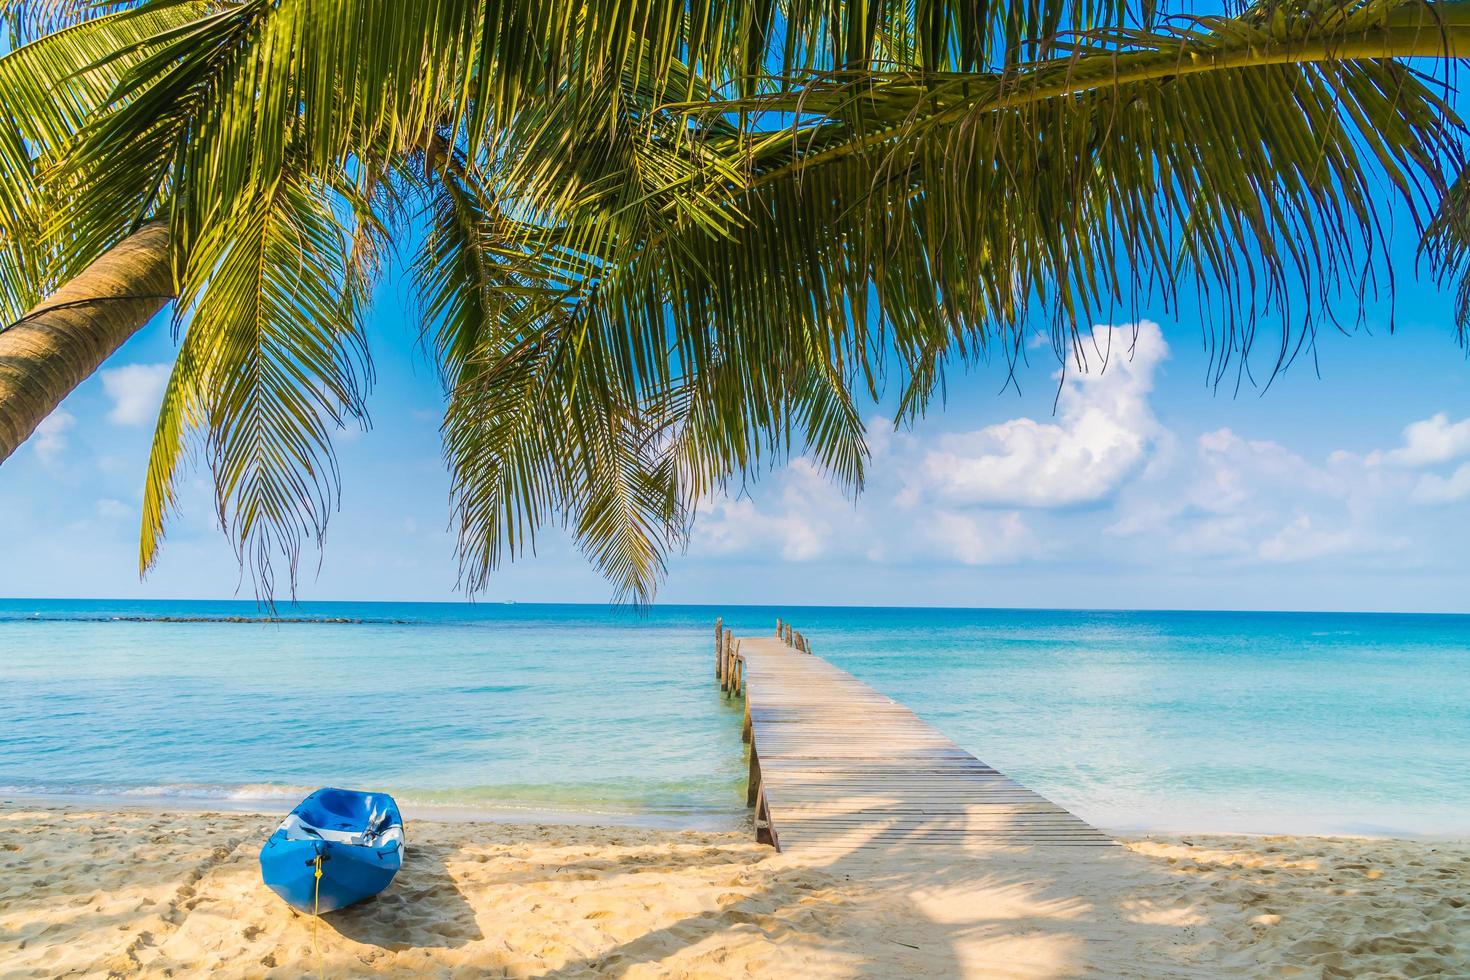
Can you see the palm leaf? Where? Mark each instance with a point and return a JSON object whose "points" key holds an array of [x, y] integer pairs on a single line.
{"points": [[638, 288], [1265, 166], [53, 87], [269, 369]]}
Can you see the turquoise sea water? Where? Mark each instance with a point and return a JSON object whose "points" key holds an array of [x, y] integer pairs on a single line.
{"points": [[1201, 721]]}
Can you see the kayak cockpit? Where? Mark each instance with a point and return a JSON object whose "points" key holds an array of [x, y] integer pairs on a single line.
{"points": [[347, 817]]}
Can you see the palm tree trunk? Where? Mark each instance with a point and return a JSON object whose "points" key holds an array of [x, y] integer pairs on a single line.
{"points": [[59, 343]]}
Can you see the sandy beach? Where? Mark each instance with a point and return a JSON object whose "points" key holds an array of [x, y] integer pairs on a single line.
{"points": [[151, 893]]}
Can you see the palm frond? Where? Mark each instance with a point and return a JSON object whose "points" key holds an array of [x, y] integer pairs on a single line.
{"points": [[534, 438], [670, 244], [1248, 160], [1447, 243], [559, 410], [1071, 184], [25, 21], [52, 89], [269, 369], [529, 439]]}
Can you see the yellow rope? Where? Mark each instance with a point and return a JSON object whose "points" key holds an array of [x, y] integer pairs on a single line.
{"points": [[316, 894]]}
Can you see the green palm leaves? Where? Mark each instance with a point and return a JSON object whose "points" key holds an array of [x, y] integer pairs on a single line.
{"points": [[660, 246], [1134, 164], [54, 88], [272, 364]]}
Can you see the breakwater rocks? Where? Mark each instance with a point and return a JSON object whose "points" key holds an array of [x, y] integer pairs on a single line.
{"points": [[267, 620], [256, 619], [324, 620]]}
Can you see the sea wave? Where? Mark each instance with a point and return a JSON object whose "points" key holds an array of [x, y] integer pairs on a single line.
{"points": [[486, 803], [190, 791], [663, 798]]}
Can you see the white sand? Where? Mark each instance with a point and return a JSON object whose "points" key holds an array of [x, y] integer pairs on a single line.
{"points": [[140, 893]]}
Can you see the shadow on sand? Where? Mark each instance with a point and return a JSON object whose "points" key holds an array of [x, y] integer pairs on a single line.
{"points": [[1041, 911], [422, 909]]}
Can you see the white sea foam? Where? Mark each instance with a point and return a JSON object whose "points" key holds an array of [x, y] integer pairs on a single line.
{"points": [[183, 791]]}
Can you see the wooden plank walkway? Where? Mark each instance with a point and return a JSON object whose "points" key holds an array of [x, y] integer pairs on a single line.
{"points": [[836, 766]]}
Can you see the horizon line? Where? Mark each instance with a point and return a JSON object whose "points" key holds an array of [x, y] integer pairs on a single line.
{"points": [[636, 610]]}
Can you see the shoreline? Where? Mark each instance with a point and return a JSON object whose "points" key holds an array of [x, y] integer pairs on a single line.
{"points": [[1285, 828], [693, 819], [279, 806], [139, 891]]}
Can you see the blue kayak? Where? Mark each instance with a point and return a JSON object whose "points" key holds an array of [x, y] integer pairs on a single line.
{"points": [[358, 838]]}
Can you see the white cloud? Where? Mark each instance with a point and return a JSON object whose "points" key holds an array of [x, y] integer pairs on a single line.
{"points": [[1011, 493], [1429, 441], [1238, 468], [49, 439], [136, 391], [738, 526], [799, 527], [1426, 443], [880, 436], [1435, 489], [1303, 540], [985, 538], [947, 495], [1104, 430], [1256, 500]]}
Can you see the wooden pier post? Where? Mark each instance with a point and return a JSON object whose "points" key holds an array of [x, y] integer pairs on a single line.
{"points": [[765, 831], [753, 781], [729, 652], [719, 644]]}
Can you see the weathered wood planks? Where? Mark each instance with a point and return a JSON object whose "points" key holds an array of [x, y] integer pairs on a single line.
{"points": [[834, 765]]}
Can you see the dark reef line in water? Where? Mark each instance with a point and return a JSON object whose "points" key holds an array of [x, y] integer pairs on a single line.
{"points": [[325, 620]]}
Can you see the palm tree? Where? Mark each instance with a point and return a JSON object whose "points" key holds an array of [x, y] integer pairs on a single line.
{"points": [[58, 344], [50, 347], [659, 245]]}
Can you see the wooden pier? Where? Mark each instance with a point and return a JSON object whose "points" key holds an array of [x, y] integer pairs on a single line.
{"points": [[836, 766]]}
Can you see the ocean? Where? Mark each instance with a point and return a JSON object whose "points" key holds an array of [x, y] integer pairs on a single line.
{"points": [[1200, 721]]}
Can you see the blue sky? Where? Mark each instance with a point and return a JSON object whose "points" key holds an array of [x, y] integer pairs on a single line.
{"points": [[1137, 486]]}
